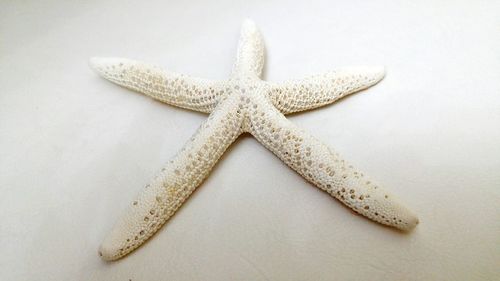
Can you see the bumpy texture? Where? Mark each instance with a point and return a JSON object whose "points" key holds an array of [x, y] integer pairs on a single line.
{"points": [[244, 103]]}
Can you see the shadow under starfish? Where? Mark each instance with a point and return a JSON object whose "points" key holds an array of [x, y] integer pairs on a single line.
{"points": [[244, 104]]}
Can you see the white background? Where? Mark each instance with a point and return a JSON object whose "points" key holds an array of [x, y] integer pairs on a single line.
{"points": [[76, 149]]}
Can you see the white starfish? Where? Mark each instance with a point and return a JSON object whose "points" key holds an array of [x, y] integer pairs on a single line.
{"points": [[244, 103]]}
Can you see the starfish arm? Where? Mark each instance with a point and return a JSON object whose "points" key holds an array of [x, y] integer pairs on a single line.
{"points": [[324, 168], [176, 89], [319, 90], [250, 54], [173, 185]]}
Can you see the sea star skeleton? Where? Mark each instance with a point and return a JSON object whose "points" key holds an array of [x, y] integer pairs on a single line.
{"points": [[244, 103]]}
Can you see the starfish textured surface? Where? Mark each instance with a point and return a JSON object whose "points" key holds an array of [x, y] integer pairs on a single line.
{"points": [[244, 103]]}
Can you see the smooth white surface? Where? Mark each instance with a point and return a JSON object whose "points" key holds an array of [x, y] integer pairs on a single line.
{"points": [[75, 149]]}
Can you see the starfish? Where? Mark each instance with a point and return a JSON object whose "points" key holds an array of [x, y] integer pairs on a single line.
{"points": [[244, 103]]}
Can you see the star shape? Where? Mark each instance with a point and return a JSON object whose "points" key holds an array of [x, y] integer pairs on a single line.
{"points": [[244, 103]]}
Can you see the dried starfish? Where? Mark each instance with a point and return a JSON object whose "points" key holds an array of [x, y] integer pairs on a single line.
{"points": [[244, 103]]}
